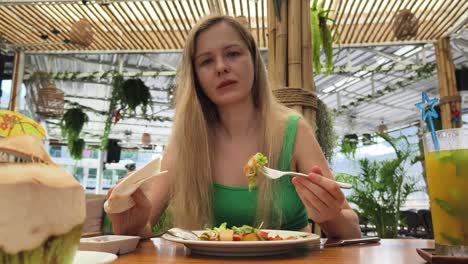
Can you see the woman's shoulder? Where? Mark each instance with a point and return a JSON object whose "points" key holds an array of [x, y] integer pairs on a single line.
{"points": [[283, 113]]}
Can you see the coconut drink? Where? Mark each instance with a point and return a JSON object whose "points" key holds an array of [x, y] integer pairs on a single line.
{"points": [[42, 206]]}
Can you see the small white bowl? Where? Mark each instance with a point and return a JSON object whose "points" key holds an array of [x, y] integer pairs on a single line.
{"points": [[110, 243]]}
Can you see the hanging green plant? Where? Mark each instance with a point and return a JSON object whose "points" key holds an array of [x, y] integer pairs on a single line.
{"points": [[117, 82], [277, 8], [321, 37], [71, 125], [134, 93], [76, 147], [349, 145], [72, 122], [325, 132], [367, 139]]}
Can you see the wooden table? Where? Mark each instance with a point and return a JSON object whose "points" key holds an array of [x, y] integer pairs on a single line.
{"points": [[392, 251]]}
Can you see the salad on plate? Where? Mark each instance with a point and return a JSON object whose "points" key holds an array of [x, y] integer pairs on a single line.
{"points": [[243, 233]]}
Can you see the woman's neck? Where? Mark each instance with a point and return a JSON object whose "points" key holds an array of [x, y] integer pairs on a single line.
{"points": [[238, 120]]}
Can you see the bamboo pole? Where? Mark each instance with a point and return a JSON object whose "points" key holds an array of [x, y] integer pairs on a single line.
{"points": [[281, 48], [294, 65], [17, 79], [446, 79], [271, 44], [294, 44], [307, 69]]}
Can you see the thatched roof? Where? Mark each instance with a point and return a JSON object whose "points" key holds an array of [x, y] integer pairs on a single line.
{"points": [[143, 25]]}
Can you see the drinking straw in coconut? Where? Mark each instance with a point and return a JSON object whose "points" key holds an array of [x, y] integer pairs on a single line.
{"points": [[428, 115]]}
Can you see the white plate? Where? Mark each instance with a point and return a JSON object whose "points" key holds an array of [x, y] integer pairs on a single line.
{"points": [[93, 257], [247, 248]]}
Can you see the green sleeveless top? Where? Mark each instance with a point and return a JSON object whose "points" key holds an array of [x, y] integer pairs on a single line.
{"points": [[237, 206]]}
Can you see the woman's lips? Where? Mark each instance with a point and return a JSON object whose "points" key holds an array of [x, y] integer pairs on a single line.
{"points": [[226, 83]]}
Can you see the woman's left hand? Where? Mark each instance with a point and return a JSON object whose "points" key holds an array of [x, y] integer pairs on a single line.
{"points": [[321, 196]]}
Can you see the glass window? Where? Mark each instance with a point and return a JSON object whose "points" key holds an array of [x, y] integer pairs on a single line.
{"points": [[92, 173], [78, 174], [55, 151]]}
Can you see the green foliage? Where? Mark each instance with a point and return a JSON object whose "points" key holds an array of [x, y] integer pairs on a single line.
{"points": [[349, 145], [277, 8], [164, 223], [321, 37], [126, 95], [381, 188], [325, 132], [71, 125], [117, 82], [72, 122], [134, 93], [76, 147]]}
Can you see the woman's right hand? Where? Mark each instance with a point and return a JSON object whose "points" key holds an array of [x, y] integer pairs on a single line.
{"points": [[134, 220]]}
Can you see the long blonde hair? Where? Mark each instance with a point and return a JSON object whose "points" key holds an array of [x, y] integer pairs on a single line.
{"points": [[191, 144]]}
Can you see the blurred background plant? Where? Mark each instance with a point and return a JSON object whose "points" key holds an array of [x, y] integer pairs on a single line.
{"points": [[382, 187]]}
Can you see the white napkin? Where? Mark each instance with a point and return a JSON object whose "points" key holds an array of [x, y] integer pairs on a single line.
{"points": [[120, 199]]}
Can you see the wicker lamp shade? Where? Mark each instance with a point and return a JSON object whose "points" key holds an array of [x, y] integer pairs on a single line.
{"points": [[81, 33], [405, 25], [382, 128], [243, 20], [146, 139], [50, 101]]}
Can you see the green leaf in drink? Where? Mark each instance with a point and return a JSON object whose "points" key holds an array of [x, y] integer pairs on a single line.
{"points": [[460, 158], [447, 207], [453, 241]]}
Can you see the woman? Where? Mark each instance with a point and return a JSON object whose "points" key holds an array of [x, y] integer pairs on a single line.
{"points": [[225, 113]]}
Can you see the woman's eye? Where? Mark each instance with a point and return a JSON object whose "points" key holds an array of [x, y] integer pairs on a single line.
{"points": [[205, 62], [233, 54]]}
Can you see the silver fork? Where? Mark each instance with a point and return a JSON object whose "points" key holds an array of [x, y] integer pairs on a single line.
{"points": [[275, 174]]}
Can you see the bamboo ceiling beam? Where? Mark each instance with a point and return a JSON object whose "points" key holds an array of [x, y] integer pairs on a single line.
{"points": [[241, 8], [199, 13], [459, 10], [371, 24], [127, 21], [172, 31], [428, 21], [175, 42], [97, 25], [356, 19], [146, 34], [226, 10], [345, 21], [131, 42], [257, 23], [153, 25], [250, 17], [12, 29], [439, 20], [388, 31], [380, 22], [120, 41], [336, 27], [23, 12], [362, 32]]}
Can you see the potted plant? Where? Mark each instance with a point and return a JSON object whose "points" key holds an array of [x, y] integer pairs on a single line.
{"points": [[349, 145], [71, 125], [382, 187], [367, 139]]}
